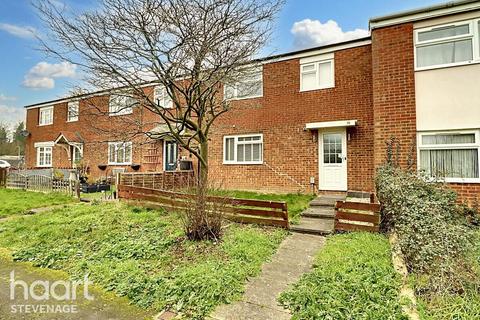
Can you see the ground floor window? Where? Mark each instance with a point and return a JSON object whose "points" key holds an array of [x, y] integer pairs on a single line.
{"points": [[452, 156], [119, 153], [44, 156], [243, 149]]}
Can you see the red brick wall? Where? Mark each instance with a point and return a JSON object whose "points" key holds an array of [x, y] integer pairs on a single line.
{"points": [[467, 192], [290, 153], [394, 91], [95, 127]]}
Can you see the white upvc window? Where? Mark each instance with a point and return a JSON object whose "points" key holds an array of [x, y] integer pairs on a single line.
{"points": [[119, 153], [249, 86], [121, 105], [243, 149], [72, 111], [44, 154], [447, 45], [162, 98], [317, 75], [77, 153], [45, 116], [450, 156]]}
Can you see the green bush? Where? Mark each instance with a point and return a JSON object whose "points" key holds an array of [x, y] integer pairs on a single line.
{"points": [[353, 278], [434, 236]]}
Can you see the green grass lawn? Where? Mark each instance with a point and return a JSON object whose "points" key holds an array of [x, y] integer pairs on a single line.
{"points": [[296, 203], [17, 202], [142, 254], [353, 278]]}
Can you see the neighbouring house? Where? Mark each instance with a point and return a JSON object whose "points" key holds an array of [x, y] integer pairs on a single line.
{"points": [[319, 118]]}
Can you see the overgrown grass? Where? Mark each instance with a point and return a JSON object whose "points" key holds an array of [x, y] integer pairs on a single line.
{"points": [[17, 202], [353, 278], [464, 305], [142, 254], [296, 202]]}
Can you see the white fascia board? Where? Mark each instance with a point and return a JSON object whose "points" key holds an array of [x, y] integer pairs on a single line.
{"points": [[331, 124], [320, 51], [427, 14]]}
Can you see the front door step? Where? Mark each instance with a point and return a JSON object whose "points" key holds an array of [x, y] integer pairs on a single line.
{"points": [[326, 201], [319, 212], [318, 226]]}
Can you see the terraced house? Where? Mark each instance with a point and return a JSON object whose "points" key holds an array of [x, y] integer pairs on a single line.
{"points": [[319, 118]]}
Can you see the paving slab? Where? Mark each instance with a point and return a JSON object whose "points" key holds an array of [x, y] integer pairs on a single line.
{"points": [[293, 258]]}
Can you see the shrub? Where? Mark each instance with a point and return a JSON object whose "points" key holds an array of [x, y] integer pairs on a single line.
{"points": [[433, 235]]}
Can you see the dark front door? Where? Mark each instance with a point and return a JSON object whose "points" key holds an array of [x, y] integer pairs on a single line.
{"points": [[170, 155]]}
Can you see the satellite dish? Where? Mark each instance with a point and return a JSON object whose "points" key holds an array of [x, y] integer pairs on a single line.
{"points": [[25, 133]]}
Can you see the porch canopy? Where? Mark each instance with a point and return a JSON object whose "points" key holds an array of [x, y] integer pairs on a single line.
{"points": [[162, 131], [70, 140], [331, 124]]}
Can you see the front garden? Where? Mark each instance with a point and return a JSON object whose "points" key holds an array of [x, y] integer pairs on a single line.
{"points": [[142, 254], [18, 202]]}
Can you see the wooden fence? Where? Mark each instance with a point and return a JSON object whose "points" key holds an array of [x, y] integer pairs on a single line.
{"points": [[169, 180], [357, 216], [240, 210], [3, 177], [38, 183]]}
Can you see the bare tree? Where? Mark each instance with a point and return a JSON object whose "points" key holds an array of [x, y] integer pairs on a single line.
{"points": [[189, 47]]}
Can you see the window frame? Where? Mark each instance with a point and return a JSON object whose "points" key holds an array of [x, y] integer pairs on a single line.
{"points": [[256, 69], [474, 35], [40, 110], [456, 146], [75, 104], [39, 152], [317, 64], [123, 110], [117, 144], [236, 143], [164, 96]]}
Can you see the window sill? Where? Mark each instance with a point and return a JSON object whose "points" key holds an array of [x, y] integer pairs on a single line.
{"points": [[68, 121], [460, 180], [45, 124], [244, 98], [244, 163], [120, 164], [316, 89], [114, 114], [448, 65], [44, 166]]}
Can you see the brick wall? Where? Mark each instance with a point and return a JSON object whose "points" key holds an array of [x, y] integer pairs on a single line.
{"points": [[96, 129], [394, 91], [290, 153]]}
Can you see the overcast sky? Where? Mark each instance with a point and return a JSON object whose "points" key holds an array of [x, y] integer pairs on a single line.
{"points": [[27, 76]]}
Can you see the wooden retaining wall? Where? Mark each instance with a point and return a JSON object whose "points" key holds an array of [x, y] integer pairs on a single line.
{"points": [[240, 210], [357, 216]]}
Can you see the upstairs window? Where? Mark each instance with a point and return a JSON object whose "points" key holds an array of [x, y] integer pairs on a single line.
{"points": [[119, 153], [121, 105], [245, 149], [45, 116], [317, 75], [72, 112], [447, 45], [161, 97], [250, 85], [453, 157]]}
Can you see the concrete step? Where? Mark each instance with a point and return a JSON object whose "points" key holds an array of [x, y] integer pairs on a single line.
{"points": [[314, 226], [319, 212], [326, 201]]}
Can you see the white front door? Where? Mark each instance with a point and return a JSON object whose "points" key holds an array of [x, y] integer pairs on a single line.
{"points": [[333, 160]]}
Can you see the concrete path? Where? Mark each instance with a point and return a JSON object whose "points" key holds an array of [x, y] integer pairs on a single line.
{"points": [[294, 257]]}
